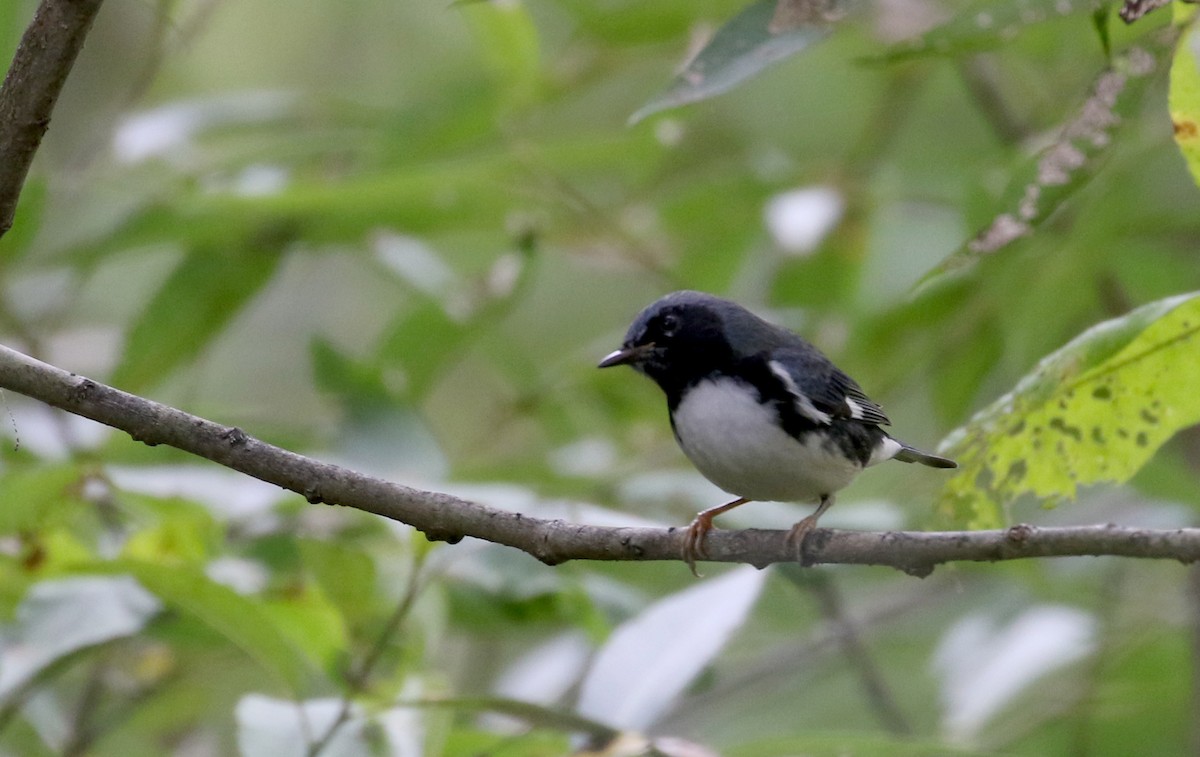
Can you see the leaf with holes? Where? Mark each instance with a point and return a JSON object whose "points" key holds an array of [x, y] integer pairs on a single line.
{"points": [[1094, 411], [1045, 182]]}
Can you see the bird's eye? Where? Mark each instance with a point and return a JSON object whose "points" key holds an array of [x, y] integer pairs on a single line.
{"points": [[669, 324]]}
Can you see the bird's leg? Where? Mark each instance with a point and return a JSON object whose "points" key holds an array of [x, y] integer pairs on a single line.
{"points": [[796, 536], [693, 538]]}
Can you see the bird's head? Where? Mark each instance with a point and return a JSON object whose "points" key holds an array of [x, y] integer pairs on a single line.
{"points": [[681, 335]]}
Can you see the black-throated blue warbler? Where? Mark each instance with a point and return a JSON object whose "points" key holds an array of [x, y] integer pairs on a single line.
{"points": [[757, 409]]}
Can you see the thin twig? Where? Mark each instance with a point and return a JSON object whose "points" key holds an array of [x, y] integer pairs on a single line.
{"points": [[879, 694], [536, 715], [357, 679], [801, 657], [443, 517], [979, 74], [1088, 713], [39, 69], [82, 732], [181, 34], [18, 697], [886, 120]]}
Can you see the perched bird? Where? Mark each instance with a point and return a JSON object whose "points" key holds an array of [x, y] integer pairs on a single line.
{"points": [[757, 409]]}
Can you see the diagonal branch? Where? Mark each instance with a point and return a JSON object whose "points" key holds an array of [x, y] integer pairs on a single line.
{"points": [[39, 69], [447, 518], [27, 97]]}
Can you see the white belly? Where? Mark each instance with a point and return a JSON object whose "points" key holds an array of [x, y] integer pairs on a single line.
{"points": [[736, 443]]}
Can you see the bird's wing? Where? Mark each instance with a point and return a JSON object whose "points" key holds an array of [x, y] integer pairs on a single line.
{"points": [[820, 391]]}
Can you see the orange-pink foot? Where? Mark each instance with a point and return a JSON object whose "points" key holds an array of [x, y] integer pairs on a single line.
{"points": [[796, 536], [693, 538]]}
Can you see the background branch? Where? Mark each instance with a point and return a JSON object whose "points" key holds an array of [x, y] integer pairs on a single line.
{"points": [[39, 69], [878, 694], [447, 518]]}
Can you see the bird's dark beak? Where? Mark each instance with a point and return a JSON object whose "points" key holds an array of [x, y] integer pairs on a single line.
{"points": [[626, 355]]}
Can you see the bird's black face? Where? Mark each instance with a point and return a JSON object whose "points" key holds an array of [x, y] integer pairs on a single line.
{"points": [[674, 341]]}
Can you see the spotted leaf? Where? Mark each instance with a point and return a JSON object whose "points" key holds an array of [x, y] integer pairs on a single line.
{"points": [[1094, 411]]}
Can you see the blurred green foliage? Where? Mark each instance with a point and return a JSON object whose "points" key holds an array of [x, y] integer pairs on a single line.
{"points": [[400, 235]]}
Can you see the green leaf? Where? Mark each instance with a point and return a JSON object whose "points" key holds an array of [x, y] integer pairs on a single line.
{"points": [[341, 375], [1184, 99], [763, 34], [464, 740], [827, 743], [198, 299], [955, 382], [1047, 181], [1100, 18], [345, 574], [243, 621], [1132, 686], [629, 23], [313, 623], [36, 498], [430, 337], [187, 536], [983, 26], [424, 341], [1094, 411], [707, 217], [472, 191], [508, 42]]}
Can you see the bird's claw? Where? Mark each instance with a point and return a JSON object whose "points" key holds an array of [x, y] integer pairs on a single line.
{"points": [[799, 532], [693, 542], [693, 538]]}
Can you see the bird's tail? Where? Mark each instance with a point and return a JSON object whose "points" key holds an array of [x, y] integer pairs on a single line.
{"points": [[909, 454]]}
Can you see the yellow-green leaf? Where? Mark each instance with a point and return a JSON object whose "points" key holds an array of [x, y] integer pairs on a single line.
{"points": [[186, 537], [313, 623], [1094, 411], [1184, 97], [507, 40]]}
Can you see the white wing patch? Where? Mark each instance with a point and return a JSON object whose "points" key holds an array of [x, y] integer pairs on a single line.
{"points": [[804, 405], [856, 410]]}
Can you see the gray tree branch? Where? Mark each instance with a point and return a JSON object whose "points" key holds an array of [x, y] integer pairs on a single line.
{"points": [[39, 69], [447, 518], [27, 97]]}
